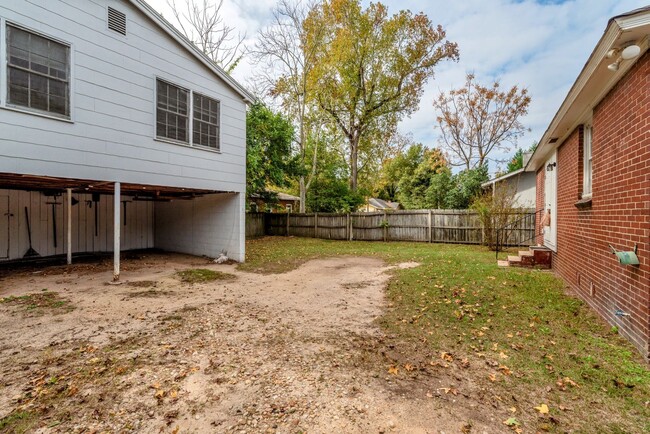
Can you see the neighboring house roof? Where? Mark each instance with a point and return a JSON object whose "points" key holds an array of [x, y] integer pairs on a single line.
{"points": [[383, 204], [157, 18], [595, 80], [285, 196], [280, 196], [502, 178]]}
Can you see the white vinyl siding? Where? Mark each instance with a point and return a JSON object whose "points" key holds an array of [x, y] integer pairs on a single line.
{"points": [[38, 72], [113, 104], [171, 111], [205, 128], [586, 151]]}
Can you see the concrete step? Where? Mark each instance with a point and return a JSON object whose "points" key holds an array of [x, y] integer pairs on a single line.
{"points": [[502, 263], [514, 261], [523, 253]]}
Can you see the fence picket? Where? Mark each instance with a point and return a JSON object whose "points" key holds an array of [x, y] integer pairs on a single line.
{"points": [[438, 226]]}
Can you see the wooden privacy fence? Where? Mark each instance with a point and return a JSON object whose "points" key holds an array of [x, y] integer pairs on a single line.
{"points": [[437, 226]]}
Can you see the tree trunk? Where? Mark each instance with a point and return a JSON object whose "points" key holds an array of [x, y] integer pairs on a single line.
{"points": [[303, 193], [354, 155]]}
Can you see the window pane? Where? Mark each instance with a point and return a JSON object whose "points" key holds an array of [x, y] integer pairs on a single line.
{"points": [[38, 100], [38, 72], [57, 105], [206, 121], [18, 77], [18, 95], [171, 112]]}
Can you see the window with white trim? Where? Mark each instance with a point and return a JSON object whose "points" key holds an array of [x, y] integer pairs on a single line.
{"points": [[586, 165], [172, 111], [38, 73], [205, 126]]}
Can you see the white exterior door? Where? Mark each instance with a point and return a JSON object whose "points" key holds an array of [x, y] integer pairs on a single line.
{"points": [[4, 227], [550, 201]]}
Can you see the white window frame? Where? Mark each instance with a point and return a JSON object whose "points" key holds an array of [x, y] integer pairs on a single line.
{"points": [[4, 76], [587, 168], [190, 114], [198, 145]]}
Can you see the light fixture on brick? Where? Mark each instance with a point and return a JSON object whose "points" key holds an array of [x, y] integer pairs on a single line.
{"points": [[630, 51]]}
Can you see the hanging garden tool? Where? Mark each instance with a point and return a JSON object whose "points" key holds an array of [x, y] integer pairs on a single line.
{"points": [[31, 253], [54, 205]]}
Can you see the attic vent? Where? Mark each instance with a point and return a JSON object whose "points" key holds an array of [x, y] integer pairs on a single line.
{"points": [[116, 21], [553, 140]]}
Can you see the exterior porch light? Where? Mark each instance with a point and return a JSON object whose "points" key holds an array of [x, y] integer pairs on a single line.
{"points": [[550, 166], [630, 52]]}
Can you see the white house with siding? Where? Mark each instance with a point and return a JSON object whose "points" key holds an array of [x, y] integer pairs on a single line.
{"points": [[116, 133]]}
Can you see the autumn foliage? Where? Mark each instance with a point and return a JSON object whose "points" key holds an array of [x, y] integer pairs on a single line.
{"points": [[476, 120]]}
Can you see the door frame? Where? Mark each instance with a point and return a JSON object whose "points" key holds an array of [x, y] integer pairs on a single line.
{"points": [[550, 200]]}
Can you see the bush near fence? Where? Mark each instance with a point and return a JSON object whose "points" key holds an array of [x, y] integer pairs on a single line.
{"points": [[437, 226]]}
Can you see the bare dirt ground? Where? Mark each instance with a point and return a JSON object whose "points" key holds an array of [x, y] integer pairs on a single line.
{"points": [[286, 353]]}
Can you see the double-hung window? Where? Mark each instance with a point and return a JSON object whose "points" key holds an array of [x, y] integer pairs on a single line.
{"points": [[38, 71], [205, 128], [172, 109], [586, 165], [176, 106]]}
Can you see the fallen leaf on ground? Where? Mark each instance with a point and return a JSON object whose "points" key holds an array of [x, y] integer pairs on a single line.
{"points": [[393, 370], [543, 409], [447, 356]]}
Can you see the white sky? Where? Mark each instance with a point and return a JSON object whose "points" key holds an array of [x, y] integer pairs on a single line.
{"points": [[541, 45]]}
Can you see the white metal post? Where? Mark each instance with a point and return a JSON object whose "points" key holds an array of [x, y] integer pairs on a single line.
{"points": [[69, 251], [116, 233]]}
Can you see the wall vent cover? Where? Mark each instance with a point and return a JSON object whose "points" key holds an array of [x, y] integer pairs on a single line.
{"points": [[116, 21]]}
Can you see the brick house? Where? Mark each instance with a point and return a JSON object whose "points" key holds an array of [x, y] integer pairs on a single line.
{"points": [[593, 177]]}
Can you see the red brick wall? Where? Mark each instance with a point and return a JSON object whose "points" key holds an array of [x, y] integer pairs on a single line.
{"points": [[620, 211]]}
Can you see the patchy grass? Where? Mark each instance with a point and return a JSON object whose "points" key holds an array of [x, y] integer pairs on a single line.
{"points": [[149, 293], [202, 275], [40, 302], [526, 342], [17, 422]]}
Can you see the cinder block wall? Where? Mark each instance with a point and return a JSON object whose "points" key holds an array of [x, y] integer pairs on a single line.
{"points": [[205, 225], [620, 211]]}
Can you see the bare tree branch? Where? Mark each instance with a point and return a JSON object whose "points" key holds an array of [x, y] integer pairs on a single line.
{"points": [[476, 120], [202, 23]]}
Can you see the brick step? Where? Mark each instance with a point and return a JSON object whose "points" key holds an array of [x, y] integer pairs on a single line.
{"points": [[535, 257]]}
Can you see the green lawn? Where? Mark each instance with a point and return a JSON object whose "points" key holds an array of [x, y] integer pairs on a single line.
{"points": [[523, 341]]}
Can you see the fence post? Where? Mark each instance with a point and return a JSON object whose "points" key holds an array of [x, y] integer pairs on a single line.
{"points": [[351, 228], [315, 225], [288, 224], [347, 226], [430, 226], [385, 225]]}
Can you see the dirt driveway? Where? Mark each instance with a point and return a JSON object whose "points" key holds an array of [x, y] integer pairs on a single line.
{"points": [[287, 353]]}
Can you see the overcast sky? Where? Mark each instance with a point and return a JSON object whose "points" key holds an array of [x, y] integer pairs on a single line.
{"points": [[541, 45]]}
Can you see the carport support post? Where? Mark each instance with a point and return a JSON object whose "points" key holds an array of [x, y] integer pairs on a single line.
{"points": [[69, 251], [116, 233]]}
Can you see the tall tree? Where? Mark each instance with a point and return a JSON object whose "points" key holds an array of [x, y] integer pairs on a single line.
{"points": [[269, 160], [289, 54], [476, 120], [372, 66], [413, 187], [201, 22]]}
